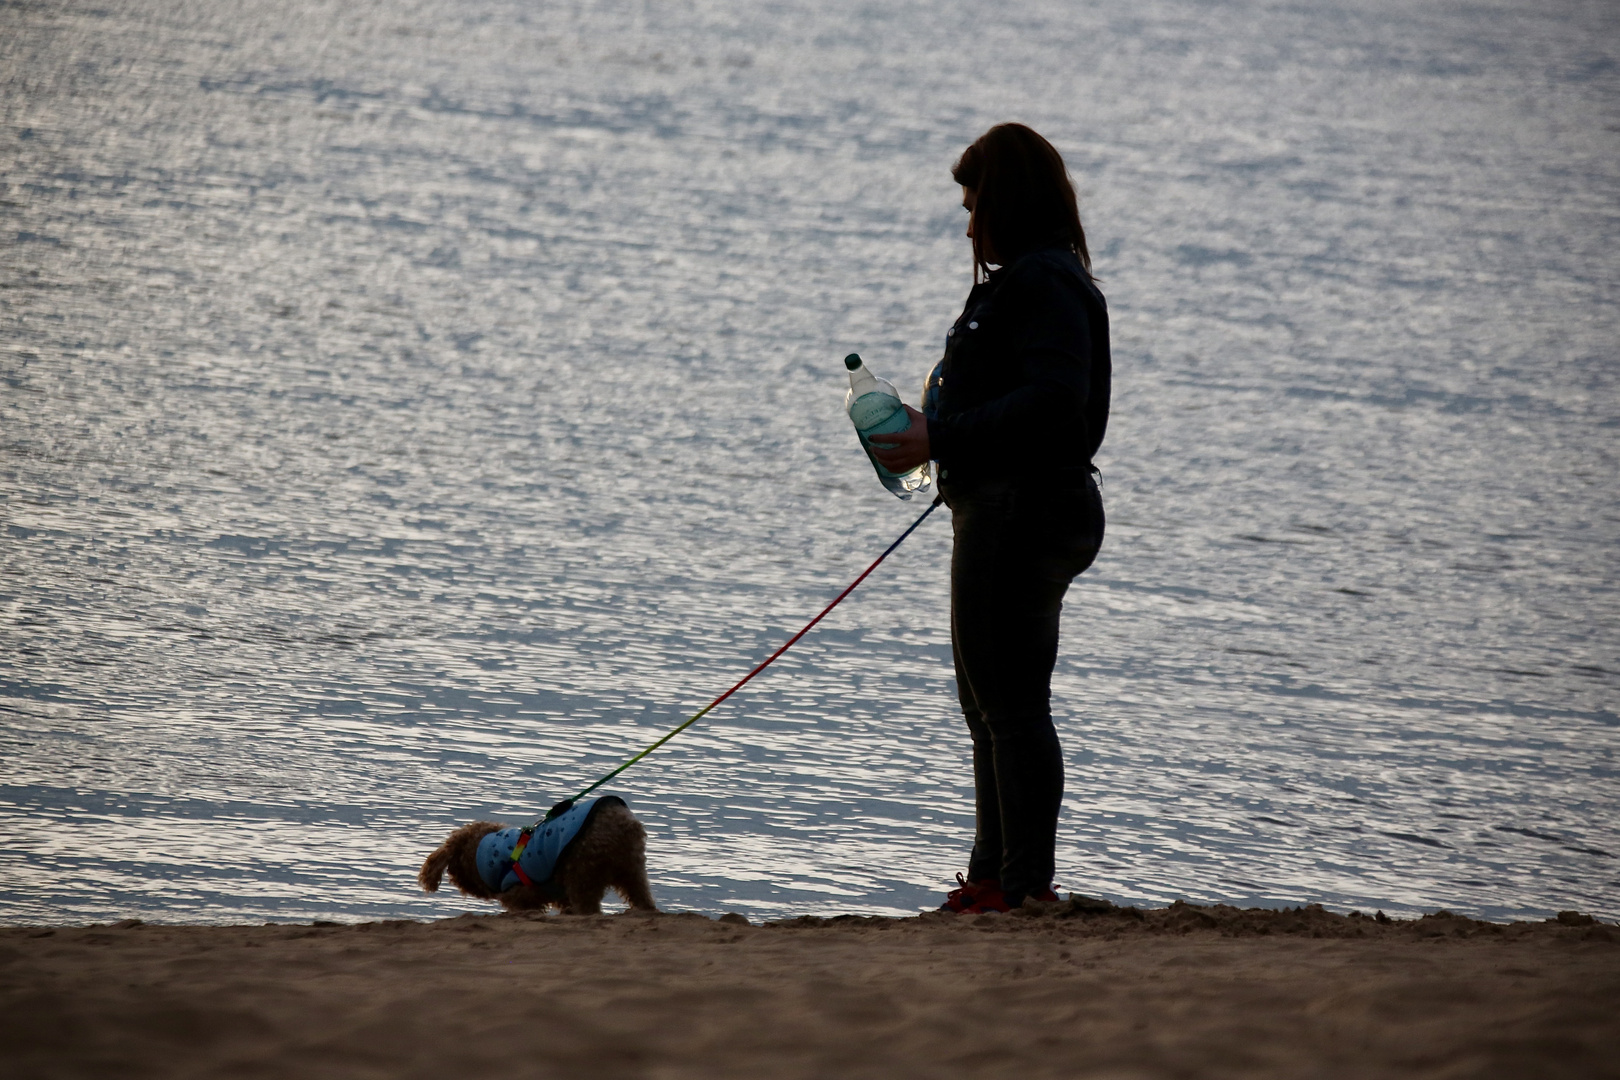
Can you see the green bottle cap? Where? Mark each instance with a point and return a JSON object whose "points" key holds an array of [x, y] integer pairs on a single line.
{"points": [[852, 361]]}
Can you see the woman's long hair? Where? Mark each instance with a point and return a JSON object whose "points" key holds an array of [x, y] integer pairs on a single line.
{"points": [[1024, 198]]}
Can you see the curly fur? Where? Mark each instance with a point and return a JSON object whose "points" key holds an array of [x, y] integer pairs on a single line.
{"points": [[610, 852]]}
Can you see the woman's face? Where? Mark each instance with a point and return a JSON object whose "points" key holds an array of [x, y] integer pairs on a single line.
{"points": [[970, 199]]}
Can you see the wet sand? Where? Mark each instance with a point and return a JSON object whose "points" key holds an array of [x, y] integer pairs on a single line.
{"points": [[1085, 990]]}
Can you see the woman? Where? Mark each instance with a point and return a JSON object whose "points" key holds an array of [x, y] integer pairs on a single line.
{"points": [[1014, 413]]}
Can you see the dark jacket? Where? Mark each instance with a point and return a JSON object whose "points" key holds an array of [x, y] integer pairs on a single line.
{"points": [[1022, 393]]}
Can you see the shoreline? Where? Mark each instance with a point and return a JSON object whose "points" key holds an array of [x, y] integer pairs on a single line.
{"points": [[1080, 989], [1175, 917]]}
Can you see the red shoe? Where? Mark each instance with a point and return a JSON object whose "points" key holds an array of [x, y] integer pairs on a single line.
{"points": [[985, 901], [962, 898], [996, 900]]}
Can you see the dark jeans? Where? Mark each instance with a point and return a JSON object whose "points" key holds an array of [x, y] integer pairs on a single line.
{"points": [[1014, 556]]}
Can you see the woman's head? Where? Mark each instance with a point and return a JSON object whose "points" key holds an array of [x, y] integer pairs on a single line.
{"points": [[1019, 197]]}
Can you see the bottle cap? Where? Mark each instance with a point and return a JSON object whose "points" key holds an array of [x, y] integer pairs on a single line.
{"points": [[852, 361]]}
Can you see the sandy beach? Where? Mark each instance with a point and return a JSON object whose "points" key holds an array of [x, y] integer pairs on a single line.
{"points": [[1082, 990]]}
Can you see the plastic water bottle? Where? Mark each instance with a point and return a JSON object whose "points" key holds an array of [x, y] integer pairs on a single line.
{"points": [[874, 408]]}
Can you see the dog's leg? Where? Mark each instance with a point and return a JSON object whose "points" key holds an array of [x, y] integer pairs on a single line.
{"points": [[583, 891], [611, 852], [632, 884], [627, 870], [525, 898]]}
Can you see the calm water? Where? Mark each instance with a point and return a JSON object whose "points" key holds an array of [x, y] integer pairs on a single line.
{"points": [[410, 409]]}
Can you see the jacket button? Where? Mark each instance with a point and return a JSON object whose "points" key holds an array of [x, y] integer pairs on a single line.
{"points": [[973, 326], [951, 331]]}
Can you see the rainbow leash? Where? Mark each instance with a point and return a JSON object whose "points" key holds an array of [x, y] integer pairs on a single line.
{"points": [[563, 806]]}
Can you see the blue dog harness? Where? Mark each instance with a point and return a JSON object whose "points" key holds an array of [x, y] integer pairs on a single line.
{"points": [[528, 856]]}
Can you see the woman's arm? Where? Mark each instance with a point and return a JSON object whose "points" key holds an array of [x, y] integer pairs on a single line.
{"points": [[910, 448]]}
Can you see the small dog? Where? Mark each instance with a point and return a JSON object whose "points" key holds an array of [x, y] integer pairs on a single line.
{"points": [[570, 860]]}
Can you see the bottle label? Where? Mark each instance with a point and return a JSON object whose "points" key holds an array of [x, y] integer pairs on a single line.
{"points": [[878, 413]]}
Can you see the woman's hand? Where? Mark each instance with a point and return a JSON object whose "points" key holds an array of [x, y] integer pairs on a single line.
{"points": [[907, 449]]}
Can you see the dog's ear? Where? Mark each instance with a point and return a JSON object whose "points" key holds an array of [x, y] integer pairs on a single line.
{"points": [[458, 856], [433, 868]]}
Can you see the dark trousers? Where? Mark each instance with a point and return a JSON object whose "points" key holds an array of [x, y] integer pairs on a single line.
{"points": [[1013, 558]]}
